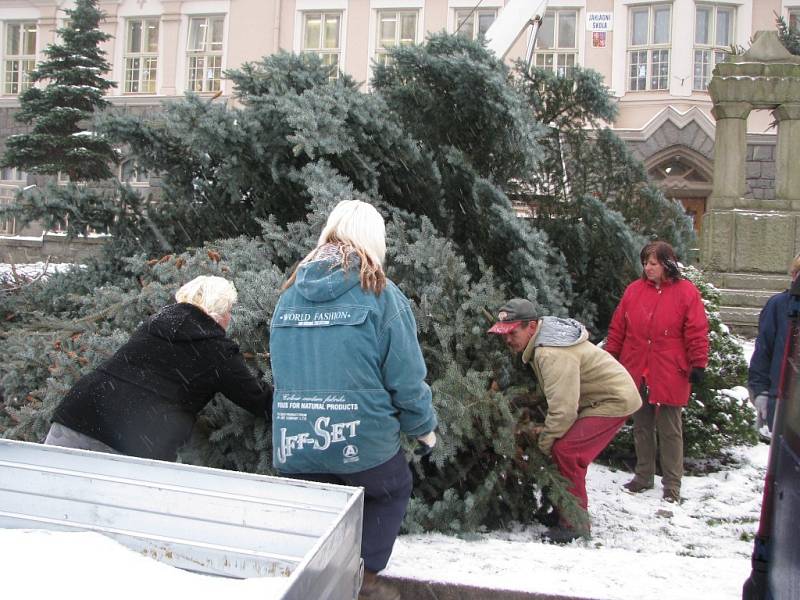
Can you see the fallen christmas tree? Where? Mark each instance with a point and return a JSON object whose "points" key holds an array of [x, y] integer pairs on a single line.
{"points": [[243, 194]]}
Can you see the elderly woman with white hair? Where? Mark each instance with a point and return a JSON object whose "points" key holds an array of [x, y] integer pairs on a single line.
{"points": [[144, 400], [349, 378]]}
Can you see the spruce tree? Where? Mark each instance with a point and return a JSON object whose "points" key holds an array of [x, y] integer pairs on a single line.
{"points": [[592, 196], [245, 193], [58, 111], [457, 99], [223, 168], [789, 36]]}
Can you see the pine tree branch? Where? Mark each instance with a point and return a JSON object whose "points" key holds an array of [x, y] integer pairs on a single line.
{"points": [[21, 281]]}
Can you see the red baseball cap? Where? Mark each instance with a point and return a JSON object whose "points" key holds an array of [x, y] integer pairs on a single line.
{"points": [[504, 327]]}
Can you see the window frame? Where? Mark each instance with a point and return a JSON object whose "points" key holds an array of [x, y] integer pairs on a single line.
{"points": [[562, 59], [712, 53], [208, 85], [143, 55], [321, 50], [24, 63], [11, 180], [19, 176], [381, 52], [475, 14], [793, 17], [654, 53], [8, 225]]}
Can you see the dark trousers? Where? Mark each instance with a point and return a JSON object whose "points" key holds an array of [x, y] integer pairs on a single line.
{"points": [[659, 428], [387, 489]]}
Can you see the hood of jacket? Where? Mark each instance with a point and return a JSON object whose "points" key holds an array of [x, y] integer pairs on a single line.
{"points": [[183, 322], [324, 280], [555, 331]]}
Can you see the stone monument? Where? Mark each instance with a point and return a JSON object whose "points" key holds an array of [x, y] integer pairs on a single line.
{"points": [[747, 243]]}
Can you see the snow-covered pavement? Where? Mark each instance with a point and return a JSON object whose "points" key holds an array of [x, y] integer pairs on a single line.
{"points": [[642, 547]]}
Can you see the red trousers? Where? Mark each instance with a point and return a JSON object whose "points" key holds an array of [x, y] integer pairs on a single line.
{"points": [[574, 452]]}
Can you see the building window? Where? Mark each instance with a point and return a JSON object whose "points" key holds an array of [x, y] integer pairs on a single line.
{"points": [[713, 34], [557, 42], [11, 179], [395, 28], [141, 56], [649, 47], [472, 24], [205, 53], [7, 224], [322, 36], [13, 175], [131, 173], [794, 18], [20, 57], [63, 179]]}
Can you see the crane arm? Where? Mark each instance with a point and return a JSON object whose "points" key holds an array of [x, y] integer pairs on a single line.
{"points": [[512, 22]]}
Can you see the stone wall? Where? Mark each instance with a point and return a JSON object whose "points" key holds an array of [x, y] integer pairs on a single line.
{"points": [[760, 171], [670, 135], [760, 166], [53, 247]]}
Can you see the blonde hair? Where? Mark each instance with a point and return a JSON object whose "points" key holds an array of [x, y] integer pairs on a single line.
{"points": [[794, 268], [213, 295], [353, 228], [358, 224]]}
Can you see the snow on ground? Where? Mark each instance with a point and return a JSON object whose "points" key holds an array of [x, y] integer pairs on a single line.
{"points": [[747, 347], [31, 270], [641, 546]]}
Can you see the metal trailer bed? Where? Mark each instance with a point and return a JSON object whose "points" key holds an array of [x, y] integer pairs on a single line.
{"points": [[205, 520]]}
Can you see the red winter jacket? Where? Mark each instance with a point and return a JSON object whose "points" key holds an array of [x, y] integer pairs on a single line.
{"points": [[659, 335]]}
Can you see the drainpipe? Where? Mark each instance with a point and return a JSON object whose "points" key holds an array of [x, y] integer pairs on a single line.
{"points": [[277, 27]]}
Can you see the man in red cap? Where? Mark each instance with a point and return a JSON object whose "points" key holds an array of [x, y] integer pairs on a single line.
{"points": [[589, 394]]}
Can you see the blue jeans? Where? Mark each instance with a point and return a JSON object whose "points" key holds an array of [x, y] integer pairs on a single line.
{"points": [[387, 489]]}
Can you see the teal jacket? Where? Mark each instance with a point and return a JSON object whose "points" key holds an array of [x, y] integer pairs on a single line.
{"points": [[348, 372]]}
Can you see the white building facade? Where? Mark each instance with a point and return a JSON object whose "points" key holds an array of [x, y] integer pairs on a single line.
{"points": [[656, 57]]}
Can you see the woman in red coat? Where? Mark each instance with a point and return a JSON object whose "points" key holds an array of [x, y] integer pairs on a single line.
{"points": [[659, 332]]}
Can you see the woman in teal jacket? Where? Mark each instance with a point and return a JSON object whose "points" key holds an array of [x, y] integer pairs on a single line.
{"points": [[349, 376]]}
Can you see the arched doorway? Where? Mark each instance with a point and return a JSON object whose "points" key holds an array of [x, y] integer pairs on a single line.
{"points": [[684, 175]]}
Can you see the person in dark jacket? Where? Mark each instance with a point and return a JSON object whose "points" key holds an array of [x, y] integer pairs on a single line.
{"points": [[659, 332], [144, 400], [350, 378], [764, 374]]}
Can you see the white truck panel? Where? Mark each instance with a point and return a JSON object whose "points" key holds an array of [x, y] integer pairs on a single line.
{"points": [[205, 520]]}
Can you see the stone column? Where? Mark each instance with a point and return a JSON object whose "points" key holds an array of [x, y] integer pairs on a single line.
{"points": [[46, 29], [787, 173], [173, 45], [730, 152]]}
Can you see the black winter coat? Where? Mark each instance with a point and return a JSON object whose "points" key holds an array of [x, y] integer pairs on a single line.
{"points": [[143, 401]]}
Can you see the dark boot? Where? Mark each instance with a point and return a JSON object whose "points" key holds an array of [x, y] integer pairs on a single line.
{"points": [[374, 587], [563, 535], [672, 496], [635, 487]]}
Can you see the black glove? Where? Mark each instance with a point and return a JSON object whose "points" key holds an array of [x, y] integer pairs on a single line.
{"points": [[697, 374]]}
